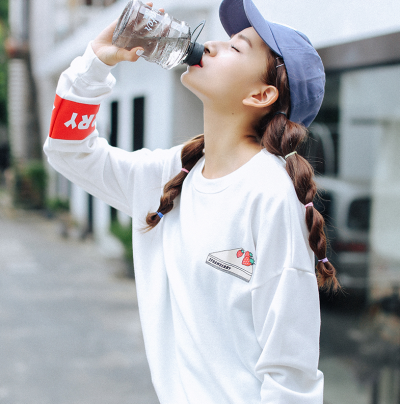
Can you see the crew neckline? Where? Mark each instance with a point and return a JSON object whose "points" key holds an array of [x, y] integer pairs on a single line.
{"points": [[212, 186]]}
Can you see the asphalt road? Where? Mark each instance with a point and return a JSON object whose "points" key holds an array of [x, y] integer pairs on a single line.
{"points": [[69, 322]]}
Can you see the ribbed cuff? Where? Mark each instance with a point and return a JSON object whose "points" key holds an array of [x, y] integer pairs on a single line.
{"points": [[94, 69]]}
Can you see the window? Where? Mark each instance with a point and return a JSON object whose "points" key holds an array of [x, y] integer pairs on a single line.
{"points": [[359, 213], [114, 141], [114, 124], [321, 148], [138, 122]]}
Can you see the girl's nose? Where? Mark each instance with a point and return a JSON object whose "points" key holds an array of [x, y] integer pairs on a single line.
{"points": [[210, 48]]}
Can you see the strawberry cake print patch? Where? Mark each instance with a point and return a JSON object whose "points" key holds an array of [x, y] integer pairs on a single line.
{"points": [[237, 262]]}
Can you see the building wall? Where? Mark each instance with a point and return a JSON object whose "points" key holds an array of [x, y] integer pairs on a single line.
{"points": [[367, 97], [329, 23], [163, 93], [18, 109], [168, 104]]}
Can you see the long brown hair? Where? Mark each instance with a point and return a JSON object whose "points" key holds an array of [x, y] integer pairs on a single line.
{"points": [[279, 136]]}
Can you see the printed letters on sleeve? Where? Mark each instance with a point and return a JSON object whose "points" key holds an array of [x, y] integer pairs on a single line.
{"points": [[72, 120]]}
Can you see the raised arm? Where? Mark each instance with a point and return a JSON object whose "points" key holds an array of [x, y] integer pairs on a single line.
{"points": [[74, 148]]}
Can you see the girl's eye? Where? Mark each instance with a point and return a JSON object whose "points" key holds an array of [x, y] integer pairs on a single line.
{"points": [[236, 49]]}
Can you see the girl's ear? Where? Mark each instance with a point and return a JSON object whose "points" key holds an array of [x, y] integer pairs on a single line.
{"points": [[262, 97]]}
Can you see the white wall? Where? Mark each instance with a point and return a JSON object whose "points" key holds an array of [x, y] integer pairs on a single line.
{"points": [[385, 215], [328, 22], [152, 82], [187, 111], [18, 107], [367, 98], [16, 18], [386, 188], [324, 22]]}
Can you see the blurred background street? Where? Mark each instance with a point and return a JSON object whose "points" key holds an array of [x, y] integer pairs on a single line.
{"points": [[69, 322]]}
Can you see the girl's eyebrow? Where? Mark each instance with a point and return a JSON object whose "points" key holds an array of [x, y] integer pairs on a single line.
{"points": [[241, 36]]}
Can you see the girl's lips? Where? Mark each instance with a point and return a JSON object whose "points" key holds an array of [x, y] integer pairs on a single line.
{"points": [[199, 65]]}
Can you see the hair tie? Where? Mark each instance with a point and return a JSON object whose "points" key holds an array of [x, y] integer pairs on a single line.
{"points": [[323, 260], [160, 214], [309, 204], [290, 154], [280, 112], [280, 64], [184, 169]]}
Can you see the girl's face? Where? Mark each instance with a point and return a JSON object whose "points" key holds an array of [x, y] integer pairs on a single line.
{"points": [[230, 70]]}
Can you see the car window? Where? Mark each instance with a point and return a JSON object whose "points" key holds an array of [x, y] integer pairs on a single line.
{"points": [[359, 214]]}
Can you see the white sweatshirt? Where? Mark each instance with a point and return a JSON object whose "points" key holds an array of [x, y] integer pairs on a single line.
{"points": [[226, 286]]}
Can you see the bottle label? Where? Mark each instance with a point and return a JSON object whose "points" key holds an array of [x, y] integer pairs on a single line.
{"points": [[151, 17]]}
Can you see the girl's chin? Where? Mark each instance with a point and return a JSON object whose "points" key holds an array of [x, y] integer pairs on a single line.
{"points": [[188, 80], [194, 84], [192, 70]]}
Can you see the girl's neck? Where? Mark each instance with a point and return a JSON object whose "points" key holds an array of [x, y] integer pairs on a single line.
{"points": [[229, 142]]}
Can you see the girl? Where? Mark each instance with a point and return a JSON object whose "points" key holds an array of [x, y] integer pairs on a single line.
{"points": [[224, 261]]}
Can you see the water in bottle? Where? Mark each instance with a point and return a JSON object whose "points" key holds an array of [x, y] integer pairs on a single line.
{"points": [[165, 40]]}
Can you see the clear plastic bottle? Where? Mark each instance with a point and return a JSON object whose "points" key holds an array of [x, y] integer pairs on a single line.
{"points": [[165, 40]]}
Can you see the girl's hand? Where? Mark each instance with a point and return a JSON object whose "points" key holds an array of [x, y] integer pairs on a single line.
{"points": [[111, 54]]}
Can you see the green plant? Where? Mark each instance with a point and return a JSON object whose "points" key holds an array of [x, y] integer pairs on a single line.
{"points": [[57, 205], [30, 185], [124, 234]]}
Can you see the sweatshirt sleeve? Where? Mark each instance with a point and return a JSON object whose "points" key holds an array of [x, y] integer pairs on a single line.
{"points": [[286, 309], [75, 149]]}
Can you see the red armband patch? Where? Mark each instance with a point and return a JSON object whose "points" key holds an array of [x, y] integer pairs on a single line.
{"points": [[71, 120]]}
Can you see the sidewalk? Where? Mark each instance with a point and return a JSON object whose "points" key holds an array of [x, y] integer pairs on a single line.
{"points": [[69, 322]]}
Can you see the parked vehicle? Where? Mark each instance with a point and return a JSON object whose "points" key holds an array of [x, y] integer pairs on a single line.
{"points": [[345, 207]]}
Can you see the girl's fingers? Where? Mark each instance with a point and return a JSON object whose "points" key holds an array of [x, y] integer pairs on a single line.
{"points": [[129, 56], [113, 24], [150, 4], [110, 29]]}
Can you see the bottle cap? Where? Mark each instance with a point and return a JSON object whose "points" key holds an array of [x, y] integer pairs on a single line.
{"points": [[195, 52], [194, 55]]}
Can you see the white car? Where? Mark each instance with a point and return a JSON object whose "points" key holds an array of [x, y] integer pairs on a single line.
{"points": [[345, 207]]}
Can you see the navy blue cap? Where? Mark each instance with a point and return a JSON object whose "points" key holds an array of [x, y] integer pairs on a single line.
{"points": [[303, 65]]}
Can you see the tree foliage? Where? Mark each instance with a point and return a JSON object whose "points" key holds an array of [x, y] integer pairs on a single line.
{"points": [[4, 10]]}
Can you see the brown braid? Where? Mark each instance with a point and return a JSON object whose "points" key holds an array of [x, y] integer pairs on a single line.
{"points": [[279, 136], [191, 153]]}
